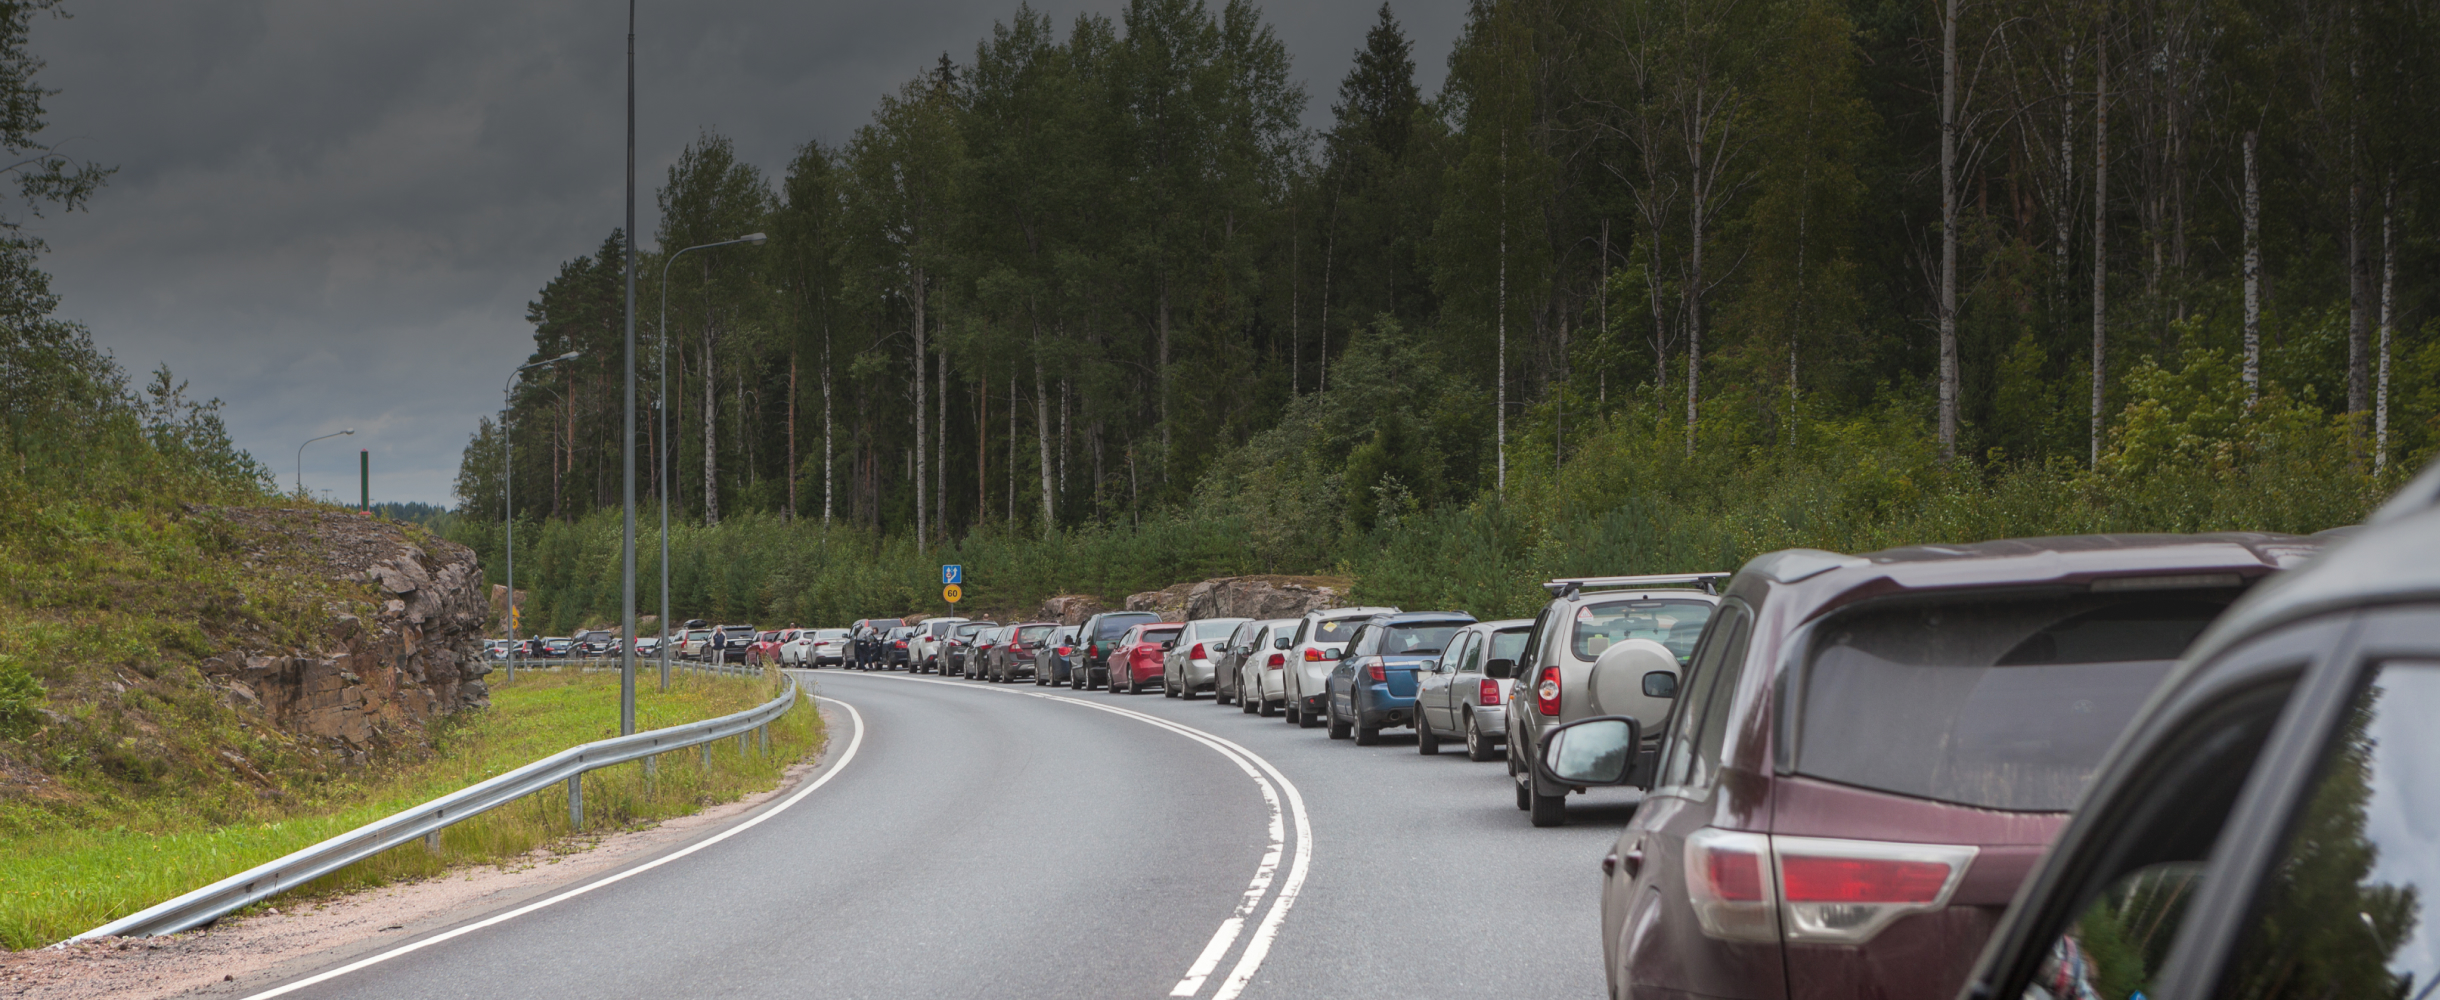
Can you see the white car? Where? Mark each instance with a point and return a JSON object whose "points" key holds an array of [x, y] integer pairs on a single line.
{"points": [[824, 646], [926, 646], [1261, 665], [1320, 639]]}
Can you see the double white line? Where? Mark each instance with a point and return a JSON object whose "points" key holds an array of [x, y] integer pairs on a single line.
{"points": [[1275, 786]]}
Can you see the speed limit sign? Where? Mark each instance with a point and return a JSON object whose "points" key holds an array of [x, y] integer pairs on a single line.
{"points": [[952, 593]]}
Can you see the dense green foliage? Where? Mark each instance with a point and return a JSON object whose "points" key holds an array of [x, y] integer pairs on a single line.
{"points": [[1647, 283]]}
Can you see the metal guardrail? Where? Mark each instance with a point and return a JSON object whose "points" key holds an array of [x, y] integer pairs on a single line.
{"points": [[263, 881], [642, 664]]}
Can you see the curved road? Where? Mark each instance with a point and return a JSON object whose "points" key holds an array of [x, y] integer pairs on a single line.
{"points": [[977, 840]]}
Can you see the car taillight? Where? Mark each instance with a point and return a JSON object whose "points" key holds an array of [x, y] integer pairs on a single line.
{"points": [[1197, 653], [1846, 891], [1833, 891], [1375, 671], [1313, 655], [1491, 693], [1728, 881], [1546, 692], [902, 644], [1278, 661]]}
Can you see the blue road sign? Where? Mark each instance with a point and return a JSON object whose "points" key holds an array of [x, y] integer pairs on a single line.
{"points": [[952, 573]]}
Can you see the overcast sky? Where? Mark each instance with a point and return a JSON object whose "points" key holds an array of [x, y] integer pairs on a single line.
{"points": [[332, 214]]}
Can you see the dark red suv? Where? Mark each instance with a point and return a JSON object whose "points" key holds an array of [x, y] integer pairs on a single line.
{"points": [[1870, 752]]}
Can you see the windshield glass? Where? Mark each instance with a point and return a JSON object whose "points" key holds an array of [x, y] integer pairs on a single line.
{"points": [[1336, 630], [1034, 633], [1508, 645], [1672, 623], [831, 633], [698, 636], [2003, 705], [1115, 625], [1417, 638], [1162, 634], [1214, 628]]}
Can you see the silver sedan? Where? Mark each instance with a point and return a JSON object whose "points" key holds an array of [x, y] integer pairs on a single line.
{"points": [[1466, 693], [1188, 665]]}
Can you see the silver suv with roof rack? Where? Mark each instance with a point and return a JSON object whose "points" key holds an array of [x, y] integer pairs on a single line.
{"points": [[1605, 645]]}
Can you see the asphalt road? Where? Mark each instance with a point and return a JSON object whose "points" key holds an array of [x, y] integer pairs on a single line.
{"points": [[1013, 841]]}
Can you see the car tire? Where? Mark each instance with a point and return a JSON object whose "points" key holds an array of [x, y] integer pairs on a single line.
{"points": [[1245, 704], [1166, 690], [1524, 795], [1478, 747], [1263, 707], [1367, 736], [1427, 741], [1340, 728], [1549, 810], [1186, 692]]}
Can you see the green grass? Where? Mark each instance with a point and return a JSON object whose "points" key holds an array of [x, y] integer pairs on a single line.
{"points": [[55, 883]]}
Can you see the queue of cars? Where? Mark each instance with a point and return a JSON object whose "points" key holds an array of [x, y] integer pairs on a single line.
{"points": [[2192, 773]]}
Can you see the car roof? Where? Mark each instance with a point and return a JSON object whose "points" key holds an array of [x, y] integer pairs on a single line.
{"points": [[2387, 561], [1818, 582], [1503, 624], [1408, 617], [1335, 613]]}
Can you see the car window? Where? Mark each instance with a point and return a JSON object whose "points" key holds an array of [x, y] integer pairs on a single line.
{"points": [[1159, 634], [1467, 658], [1034, 633], [2001, 704], [1118, 624], [1336, 630], [1507, 644], [1672, 623], [1359, 643], [1416, 638], [1207, 630], [2341, 912], [1533, 642], [1685, 765]]}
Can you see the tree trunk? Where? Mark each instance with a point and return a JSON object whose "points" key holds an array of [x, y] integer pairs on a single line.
{"points": [[1012, 447], [827, 477], [2063, 214], [940, 448], [1500, 329], [1042, 441], [982, 449], [2389, 280], [2101, 231], [790, 514], [711, 439], [921, 535], [1694, 299], [2253, 274], [1948, 234], [1161, 372]]}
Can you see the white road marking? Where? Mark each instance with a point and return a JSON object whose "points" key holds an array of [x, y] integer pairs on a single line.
{"points": [[756, 820], [1258, 946]]}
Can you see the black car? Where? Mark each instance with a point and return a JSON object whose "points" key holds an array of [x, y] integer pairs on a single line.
{"points": [[867, 637], [594, 642], [1099, 634], [730, 642], [895, 653], [1058, 652], [2269, 826]]}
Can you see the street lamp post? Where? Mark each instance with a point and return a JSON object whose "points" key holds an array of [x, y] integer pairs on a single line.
{"points": [[508, 507], [663, 330], [301, 455]]}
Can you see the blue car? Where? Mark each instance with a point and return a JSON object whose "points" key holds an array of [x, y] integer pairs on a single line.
{"points": [[1373, 686]]}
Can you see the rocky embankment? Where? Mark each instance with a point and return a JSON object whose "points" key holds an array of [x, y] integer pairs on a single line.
{"points": [[406, 647], [1225, 597]]}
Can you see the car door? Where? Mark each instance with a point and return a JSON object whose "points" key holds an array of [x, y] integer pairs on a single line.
{"points": [[1435, 688], [1465, 680], [1654, 936]]}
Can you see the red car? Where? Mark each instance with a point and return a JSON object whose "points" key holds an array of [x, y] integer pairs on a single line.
{"points": [[1869, 753], [1136, 663], [764, 650]]}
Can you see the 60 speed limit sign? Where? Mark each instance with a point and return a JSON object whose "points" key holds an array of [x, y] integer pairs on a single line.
{"points": [[952, 593]]}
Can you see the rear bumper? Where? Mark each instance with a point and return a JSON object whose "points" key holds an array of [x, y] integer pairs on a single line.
{"points": [[1375, 706], [1492, 720]]}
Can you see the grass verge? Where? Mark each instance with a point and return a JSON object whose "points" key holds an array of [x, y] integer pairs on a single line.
{"points": [[57, 883]]}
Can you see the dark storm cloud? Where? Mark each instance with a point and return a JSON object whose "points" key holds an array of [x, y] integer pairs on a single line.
{"points": [[333, 214]]}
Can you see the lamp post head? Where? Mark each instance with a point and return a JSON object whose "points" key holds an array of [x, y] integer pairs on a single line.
{"points": [[350, 430], [753, 238], [570, 356]]}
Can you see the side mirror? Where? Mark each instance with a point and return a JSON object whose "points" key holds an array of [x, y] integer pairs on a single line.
{"points": [[1169, 644], [1660, 684], [1500, 670], [1599, 751], [1334, 654], [1281, 643]]}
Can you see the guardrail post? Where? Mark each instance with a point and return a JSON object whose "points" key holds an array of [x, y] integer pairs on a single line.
{"points": [[763, 733], [576, 801], [706, 747], [432, 842]]}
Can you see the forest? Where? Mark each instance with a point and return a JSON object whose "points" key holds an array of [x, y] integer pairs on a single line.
{"points": [[1717, 274]]}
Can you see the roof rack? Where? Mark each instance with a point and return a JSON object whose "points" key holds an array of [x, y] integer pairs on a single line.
{"points": [[1568, 587]]}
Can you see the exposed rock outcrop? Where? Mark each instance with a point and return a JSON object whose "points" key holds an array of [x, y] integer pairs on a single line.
{"points": [[1262, 597], [1242, 597], [1070, 609], [408, 648]]}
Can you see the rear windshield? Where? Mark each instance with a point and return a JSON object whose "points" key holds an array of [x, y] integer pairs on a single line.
{"points": [[941, 628], [1219, 629], [1508, 645], [1672, 623], [698, 635], [886, 623], [831, 633], [1112, 626], [1999, 705], [1416, 638], [1336, 629], [1034, 633], [1163, 634]]}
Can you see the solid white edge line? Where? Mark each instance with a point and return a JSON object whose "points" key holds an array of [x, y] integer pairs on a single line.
{"points": [[756, 820], [1259, 947]]}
